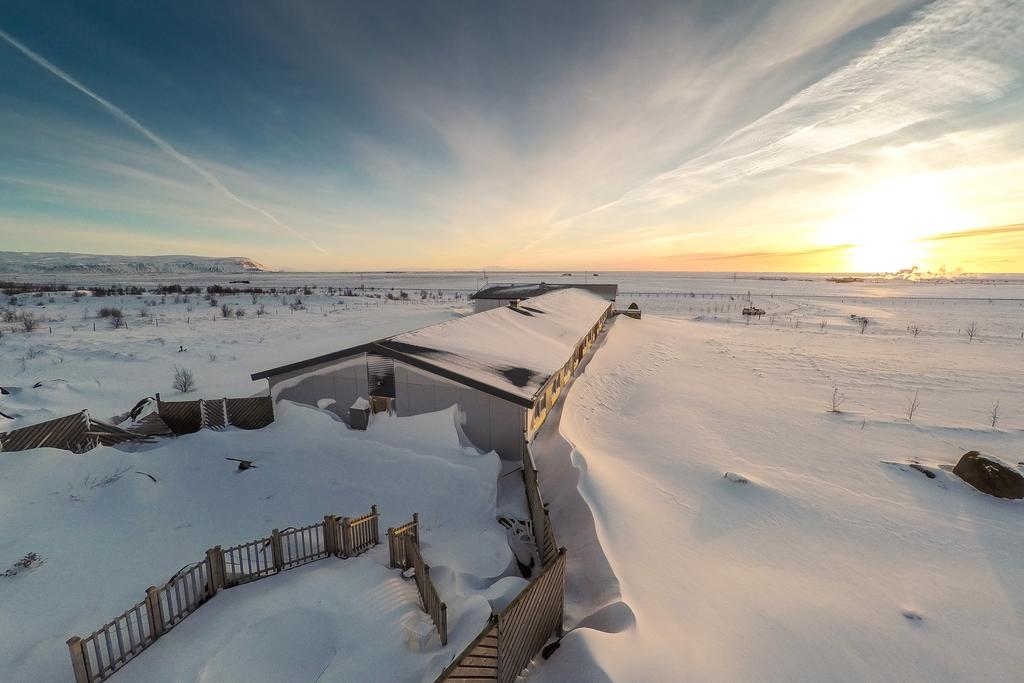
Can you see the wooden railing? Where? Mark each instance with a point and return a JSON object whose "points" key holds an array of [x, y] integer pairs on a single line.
{"points": [[543, 533], [404, 553], [97, 656], [396, 542], [432, 603], [360, 534], [511, 638]]}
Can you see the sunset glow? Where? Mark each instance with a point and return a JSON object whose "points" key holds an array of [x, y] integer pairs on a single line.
{"points": [[798, 137]]}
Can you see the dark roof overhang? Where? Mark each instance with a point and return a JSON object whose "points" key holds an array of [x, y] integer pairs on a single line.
{"points": [[381, 348]]}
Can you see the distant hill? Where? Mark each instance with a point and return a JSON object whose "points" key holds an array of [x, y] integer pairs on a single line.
{"points": [[63, 262]]}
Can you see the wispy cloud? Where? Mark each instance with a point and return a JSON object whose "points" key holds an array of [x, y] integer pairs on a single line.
{"points": [[970, 49], [977, 232], [165, 146]]}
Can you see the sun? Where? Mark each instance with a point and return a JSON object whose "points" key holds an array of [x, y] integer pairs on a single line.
{"points": [[885, 224]]}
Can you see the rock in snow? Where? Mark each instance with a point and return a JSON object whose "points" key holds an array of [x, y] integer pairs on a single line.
{"points": [[735, 478], [990, 475]]}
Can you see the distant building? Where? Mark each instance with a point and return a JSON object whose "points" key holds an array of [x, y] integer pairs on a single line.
{"points": [[504, 368], [498, 295]]}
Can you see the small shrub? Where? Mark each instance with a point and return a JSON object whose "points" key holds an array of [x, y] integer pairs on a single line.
{"points": [[912, 405], [184, 380], [837, 399], [29, 322], [110, 312], [27, 562]]}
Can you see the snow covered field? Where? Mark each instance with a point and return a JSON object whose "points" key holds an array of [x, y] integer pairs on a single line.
{"points": [[827, 564], [815, 559]]}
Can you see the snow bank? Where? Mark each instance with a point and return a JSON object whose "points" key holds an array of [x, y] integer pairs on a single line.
{"points": [[826, 564]]}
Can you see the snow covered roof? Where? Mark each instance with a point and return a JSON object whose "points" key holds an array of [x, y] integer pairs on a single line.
{"points": [[507, 352], [528, 290]]}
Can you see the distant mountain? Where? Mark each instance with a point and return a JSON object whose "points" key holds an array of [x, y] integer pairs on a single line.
{"points": [[62, 262]]}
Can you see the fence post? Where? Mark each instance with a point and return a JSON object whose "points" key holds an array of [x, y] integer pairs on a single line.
{"points": [[416, 527], [346, 537], [78, 660], [156, 614], [391, 547], [442, 628], [331, 534], [215, 565], [276, 549], [376, 524]]}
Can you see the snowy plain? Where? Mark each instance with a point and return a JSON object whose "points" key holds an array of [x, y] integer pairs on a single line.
{"points": [[822, 556]]}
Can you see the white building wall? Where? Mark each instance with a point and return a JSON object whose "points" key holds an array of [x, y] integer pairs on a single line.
{"points": [[491, 423], [344, 381]]}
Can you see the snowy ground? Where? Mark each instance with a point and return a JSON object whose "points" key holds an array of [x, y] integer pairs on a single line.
{"points": [[828, 564], [107, 532], [107, 370]]}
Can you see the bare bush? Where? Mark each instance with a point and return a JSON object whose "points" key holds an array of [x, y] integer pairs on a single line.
{"points": [[837, 399], [27, 562], [972, 331], [994, 414], [239, 312], [116, 321], [29, 322], [225, 311], [184, 380], [912, 405], [914, 330], [110, 312]]}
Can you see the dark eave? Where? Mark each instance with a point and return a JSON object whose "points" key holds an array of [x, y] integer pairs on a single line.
{"points": [[380, 348], [417, 362], [319, 360]]}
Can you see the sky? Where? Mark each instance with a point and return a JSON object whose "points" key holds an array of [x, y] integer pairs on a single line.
{"points": [[779, 135]]}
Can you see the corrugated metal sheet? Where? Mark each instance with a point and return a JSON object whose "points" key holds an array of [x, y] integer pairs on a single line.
{"points": [[151, 425], [68, 433], [183, 417], [250, 413], [77, 433]]}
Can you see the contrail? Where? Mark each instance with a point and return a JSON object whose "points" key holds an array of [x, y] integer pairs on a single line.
{"points": [[167, 147]]}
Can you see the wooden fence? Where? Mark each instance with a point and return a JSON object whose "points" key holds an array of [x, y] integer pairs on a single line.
{"points": [[187, 417], [97, 656], [543, 532], [404, 552], [511, 638], [396, 542]]}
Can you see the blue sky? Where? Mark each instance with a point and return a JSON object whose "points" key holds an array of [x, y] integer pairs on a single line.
{"points": [[735, 136]]}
